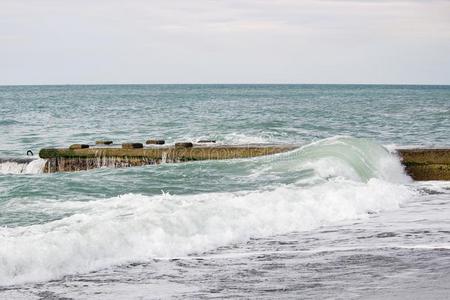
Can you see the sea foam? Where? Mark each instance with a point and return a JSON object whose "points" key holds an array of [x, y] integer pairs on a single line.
{"points": [[35, 166]]}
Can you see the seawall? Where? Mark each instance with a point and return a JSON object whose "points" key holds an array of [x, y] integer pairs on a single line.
{"points": [[426, 164], [420, 164], [67, 159]]}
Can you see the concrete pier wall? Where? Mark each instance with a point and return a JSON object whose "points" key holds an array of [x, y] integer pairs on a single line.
{"points": [[66, 160], [420, 164], [426, 164]]}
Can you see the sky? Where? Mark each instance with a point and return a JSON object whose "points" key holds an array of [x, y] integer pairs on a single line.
{"points": [[228, 41]]}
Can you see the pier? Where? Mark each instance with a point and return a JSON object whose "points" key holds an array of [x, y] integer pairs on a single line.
{"points": [[83, 157], [420, 164], [426, 164]]}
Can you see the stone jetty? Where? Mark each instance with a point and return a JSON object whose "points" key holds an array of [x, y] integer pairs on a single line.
{"points": [[426, 164], [76, 158], [420, 164]]}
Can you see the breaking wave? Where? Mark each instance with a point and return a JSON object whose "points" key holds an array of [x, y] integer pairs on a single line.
{"points": [[358, 177]]}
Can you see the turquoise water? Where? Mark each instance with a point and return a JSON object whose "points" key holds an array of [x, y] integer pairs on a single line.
{"points": [[36, 117], [342, 200]]}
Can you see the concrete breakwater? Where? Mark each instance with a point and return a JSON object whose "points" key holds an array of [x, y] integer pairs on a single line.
{"points": [[420, 164], [426, 164], [80, 157]]}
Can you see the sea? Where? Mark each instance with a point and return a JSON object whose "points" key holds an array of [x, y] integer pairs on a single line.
{"points": [[337, 218]]}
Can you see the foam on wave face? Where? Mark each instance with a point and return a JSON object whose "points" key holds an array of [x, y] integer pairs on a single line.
{"points": [[362, 178]]}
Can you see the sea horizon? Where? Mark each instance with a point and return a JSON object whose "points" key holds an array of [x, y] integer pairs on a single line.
{"points": [[218, 84]]}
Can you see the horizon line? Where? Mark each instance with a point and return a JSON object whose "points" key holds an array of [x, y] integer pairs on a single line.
{"points": [[110, 84]]}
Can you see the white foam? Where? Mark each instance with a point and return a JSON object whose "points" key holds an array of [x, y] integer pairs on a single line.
{"points": [[34, 167], [12, 167], [137, 227], [242, 139]]}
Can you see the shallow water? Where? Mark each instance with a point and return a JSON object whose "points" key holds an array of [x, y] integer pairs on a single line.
{"points": [[337, 218]]}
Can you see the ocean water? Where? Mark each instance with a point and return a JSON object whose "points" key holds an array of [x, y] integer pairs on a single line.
{"points": [[336, 218]]}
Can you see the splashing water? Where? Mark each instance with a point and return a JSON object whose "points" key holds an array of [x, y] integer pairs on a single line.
{"points": [[35, 166]]}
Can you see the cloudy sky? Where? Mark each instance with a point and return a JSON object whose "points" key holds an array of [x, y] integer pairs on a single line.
{"points": [[227, 41]]}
